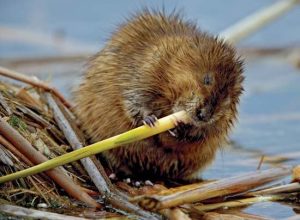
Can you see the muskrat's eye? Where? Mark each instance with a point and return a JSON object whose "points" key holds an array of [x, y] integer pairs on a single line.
{"points": [[207, 80]]}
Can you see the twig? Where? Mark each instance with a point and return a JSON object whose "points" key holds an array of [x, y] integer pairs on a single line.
{"points": [[238, 203], [291, 187], [175, 214], [98, 176], [183, 188], [33, 81], [231, 216], [218, 188], [252, 23], [120, 202], [15, 151], [24, 95], [4, 104], [38, 189], [18, 154], [35, 214], [260, 162], [34, 116], [36, 157]]}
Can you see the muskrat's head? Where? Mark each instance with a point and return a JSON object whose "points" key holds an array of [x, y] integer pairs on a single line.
{"points": [[206, 81]]}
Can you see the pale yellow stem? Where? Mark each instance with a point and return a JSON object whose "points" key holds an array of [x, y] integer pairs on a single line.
{"points": [[133, 135]]}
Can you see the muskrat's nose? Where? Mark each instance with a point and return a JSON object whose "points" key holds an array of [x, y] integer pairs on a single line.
{"points": [[203, 114]]}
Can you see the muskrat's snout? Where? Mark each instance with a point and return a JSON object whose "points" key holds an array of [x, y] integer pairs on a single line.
{"points": [[199, 111], [204, 114]]}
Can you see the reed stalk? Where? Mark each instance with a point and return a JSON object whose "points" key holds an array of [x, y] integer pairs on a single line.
{"points": [[133, 135]]}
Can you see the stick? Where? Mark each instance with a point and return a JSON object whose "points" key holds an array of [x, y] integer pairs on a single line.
{"points": [[136, 134], [232, 216], [15, 151], [100, 179], [4, 104], [36, 157], [72, 138], [218, 188], [35, 82], [34, 214], [175, 214], [39, 119], [238, 203], [120, 202], [24, 95], [291, 187], [252, 23]]}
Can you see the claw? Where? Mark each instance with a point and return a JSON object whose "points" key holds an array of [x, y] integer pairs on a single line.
{"points": [[172, 133], [180, 130], [150, 120]]}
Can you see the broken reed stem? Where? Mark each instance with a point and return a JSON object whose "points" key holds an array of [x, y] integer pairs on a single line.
{"points": [[35, 82], [39, 190], [34, 214], [25, 160], [24, 95], [237, 203], [291, 187], [260, 162], [15, 151], [183, 188], [174, 214], [133, 135], [5, 105], [17, 140], [99, 178], [231, 215], [18, 154], [255, 21], [39, 119], [218, 188], [122, 203], [72, 138]]}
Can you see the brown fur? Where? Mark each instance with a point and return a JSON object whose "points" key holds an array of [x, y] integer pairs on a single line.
{"points": [[159, 64]]}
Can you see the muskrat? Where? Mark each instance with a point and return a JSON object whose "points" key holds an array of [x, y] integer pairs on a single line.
{"points": [[154, 65]]}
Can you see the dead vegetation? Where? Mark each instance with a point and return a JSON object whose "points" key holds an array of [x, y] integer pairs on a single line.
{"points": [[36, 126]]}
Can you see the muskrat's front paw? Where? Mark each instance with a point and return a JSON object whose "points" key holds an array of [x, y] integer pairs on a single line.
{"points": [[150, 120]]}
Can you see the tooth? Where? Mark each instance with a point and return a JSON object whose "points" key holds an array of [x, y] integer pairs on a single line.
{"points": [[172, 133]]}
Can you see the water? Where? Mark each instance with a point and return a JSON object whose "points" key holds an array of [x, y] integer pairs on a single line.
{"points": [[269, 120], [91, 23]]}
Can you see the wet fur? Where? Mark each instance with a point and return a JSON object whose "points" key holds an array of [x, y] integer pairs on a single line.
{"points": [[157, 64]]}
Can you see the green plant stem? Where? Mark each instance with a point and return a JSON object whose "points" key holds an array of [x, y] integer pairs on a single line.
{"points": [[133, 135]]}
